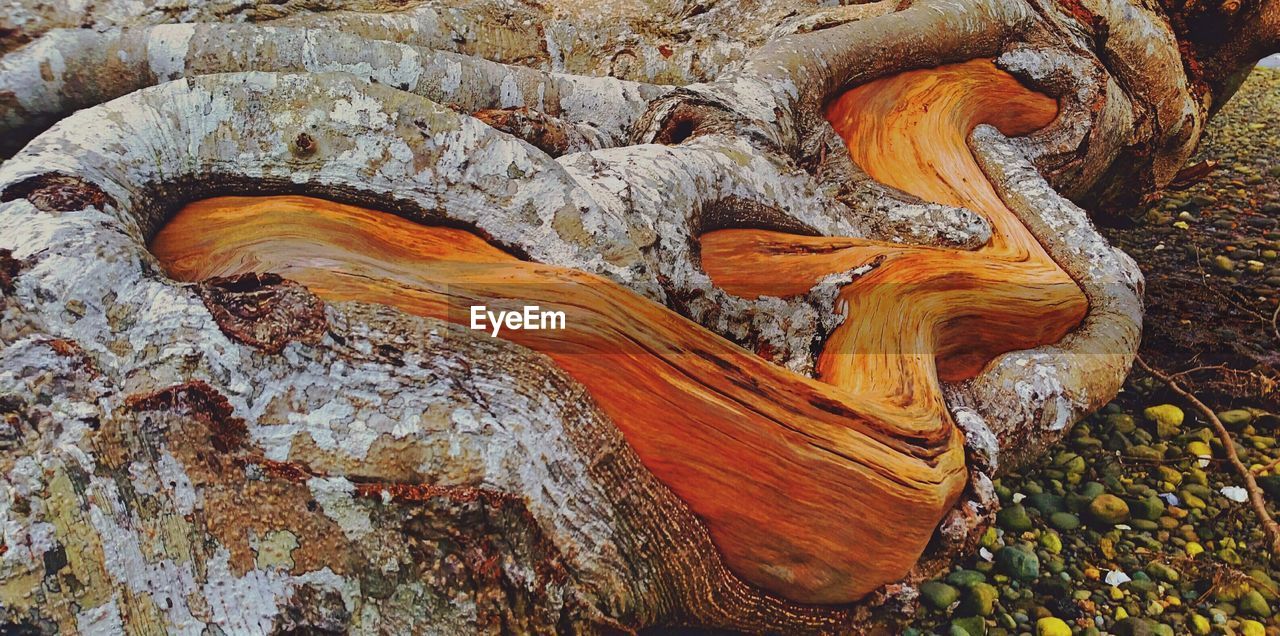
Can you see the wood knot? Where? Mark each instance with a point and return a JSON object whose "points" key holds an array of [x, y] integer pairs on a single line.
{"points": [[264, 311], [53, 192], [197, 400], [681, 124], [304, 145]]}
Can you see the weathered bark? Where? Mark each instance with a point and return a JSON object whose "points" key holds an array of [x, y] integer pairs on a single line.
{"points": [[776, 326]]}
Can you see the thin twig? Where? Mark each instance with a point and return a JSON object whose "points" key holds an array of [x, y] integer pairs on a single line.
{"points": [[1250, 484], [1271, 464], [1215, 367], [1275, 330]]}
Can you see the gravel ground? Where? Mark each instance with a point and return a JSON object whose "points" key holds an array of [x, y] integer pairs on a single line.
{"points": [[1135, 524]]}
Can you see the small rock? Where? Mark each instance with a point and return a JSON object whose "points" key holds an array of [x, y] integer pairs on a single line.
{"points": [[1163, 572], [965, 579], [1018, 562], [1252, 628], [981, 599], [1047, 503], [1230, 556], [1052, 542], [1167, 417], [939, 595], [1050, 626], [971, 625], [1064, 521], [1266, 585], [1223, 265], [1201, 200], [1149, 508], [1134, 626], [1235, 419], [1109, 509], [1142, 451], [1092, 489], [1200, 450], [1014, 518], [1169, 474], [1199, 625], [1252, 603], [1121, 422]]}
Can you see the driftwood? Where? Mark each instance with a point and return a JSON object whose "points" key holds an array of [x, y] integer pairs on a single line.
{"points": [[820, 275]]}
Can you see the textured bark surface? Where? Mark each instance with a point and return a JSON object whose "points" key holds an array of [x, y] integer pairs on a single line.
{"points": [[274, 449]]}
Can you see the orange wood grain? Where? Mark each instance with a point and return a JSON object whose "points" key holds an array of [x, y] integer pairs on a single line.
{"points": [[820, 490]]}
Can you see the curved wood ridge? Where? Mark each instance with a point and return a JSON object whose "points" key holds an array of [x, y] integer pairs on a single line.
{"points": [[819, 490]]}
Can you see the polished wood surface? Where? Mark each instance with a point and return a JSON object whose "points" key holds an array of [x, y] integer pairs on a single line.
{"points": [[818, 489]]}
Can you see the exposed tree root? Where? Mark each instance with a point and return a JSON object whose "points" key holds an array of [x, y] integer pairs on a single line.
{"points": [[776, 323], [706, 420], [71, 69]]}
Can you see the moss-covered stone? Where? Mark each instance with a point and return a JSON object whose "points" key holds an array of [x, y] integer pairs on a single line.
{"points": [[1166, 417], [971, 625], [965, 579], [980, 599], [1235, 419], [1018, 562], [1014, 518], [1121, 422], [1149, 508], [1109, 509], [1050, 626], [938, 595], [1254, 604]]}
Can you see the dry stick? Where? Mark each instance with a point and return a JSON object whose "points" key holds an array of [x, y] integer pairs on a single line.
{"points": [[1250, 484], [1275, 330], [1271, 464]]}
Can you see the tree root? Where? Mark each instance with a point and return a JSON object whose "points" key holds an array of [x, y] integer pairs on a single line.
{"points": [[66, 70], [739, 214]]}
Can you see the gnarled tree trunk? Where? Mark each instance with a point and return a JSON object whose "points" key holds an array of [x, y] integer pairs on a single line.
{"points": [[821, 271]]}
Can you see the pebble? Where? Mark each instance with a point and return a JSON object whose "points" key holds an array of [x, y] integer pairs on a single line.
{"points": [[965, 579], [1018, 562], [1235, 419], [1167, 418], [1014, 518], [970, 626], [939, 595], [1064, 521], [1174, 524], [1253, 603], [980, 599], [1109, 509], [1050, 626]]}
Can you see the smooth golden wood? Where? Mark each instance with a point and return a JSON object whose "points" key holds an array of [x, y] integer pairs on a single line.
{"points": [[820, 490]]}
